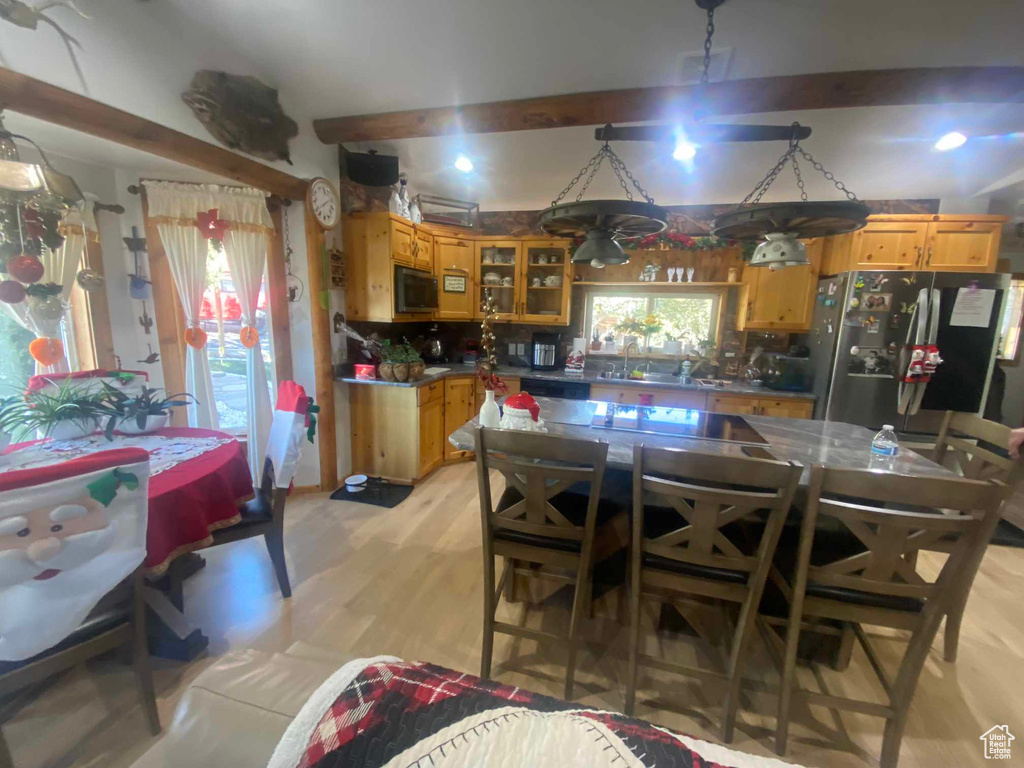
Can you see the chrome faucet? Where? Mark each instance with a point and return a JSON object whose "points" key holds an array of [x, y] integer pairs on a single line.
{"points": [[625, 362]]}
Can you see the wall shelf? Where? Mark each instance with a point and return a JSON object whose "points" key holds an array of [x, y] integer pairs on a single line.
{"points": [[663, 284]]}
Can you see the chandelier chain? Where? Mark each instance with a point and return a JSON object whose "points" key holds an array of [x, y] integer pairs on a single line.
{"points": [[799, 178], [754, 196], [705, 74], [590, 170]]}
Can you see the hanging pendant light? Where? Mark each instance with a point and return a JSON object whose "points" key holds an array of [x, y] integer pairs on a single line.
{"points": [[604, 224], [38, 185], [781, 224]]}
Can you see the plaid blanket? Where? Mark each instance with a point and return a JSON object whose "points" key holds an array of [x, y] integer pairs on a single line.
{"points": [[392, 714]]}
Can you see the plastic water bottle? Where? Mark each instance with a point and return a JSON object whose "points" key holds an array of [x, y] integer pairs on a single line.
{"points": [[884, 449]]}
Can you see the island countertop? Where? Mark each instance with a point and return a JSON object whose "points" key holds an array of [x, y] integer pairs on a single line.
{"points": [[591, 377], [832, 443]]}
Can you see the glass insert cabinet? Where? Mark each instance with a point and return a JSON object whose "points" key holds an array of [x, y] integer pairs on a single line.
{"points": [[529, 279]]}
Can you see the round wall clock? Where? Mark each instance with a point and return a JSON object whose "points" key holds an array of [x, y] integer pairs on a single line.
{"points": [[323, 200]]}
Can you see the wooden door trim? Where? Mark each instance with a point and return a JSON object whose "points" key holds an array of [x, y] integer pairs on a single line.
{"points": [[94, 336], [322, 365]]}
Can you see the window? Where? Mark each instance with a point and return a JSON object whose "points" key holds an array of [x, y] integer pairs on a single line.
{"points": [[1010, 329], [221, 318], [16, 364], [688, 317]]}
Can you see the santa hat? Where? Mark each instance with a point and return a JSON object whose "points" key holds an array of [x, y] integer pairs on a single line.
{"points": [[523, 402], [294, 414]]}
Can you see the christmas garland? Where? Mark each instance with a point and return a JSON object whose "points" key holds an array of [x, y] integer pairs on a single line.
{"points": [[679, 241]]}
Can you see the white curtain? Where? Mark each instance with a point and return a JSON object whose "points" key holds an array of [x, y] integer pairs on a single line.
{"points": [[245, 245], [60, 266], [174, 208]]}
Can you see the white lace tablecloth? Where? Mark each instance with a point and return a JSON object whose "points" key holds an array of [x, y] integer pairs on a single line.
{"points": [[164, 452]]}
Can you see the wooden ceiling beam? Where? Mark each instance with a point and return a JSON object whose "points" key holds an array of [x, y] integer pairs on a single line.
{"points": [[825, 90], [29, 96]]}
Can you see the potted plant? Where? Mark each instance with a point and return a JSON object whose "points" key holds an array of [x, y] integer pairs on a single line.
{"points": [[70, 413], [672, 345], [630, 328], [396, 360], [10, 418], [139, 414]]}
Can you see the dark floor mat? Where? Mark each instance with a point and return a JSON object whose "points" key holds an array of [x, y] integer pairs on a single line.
{"points": [[379, 492], [1008, 535]]}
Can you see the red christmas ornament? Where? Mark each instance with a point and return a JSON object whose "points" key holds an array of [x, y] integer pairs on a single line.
{"points": [[25, 268], [12, 292]]}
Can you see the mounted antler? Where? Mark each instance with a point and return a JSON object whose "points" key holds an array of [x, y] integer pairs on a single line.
{"points": [[28, 17]]}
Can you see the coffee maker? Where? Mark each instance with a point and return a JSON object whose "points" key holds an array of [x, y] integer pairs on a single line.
{"points": [[544, 351]]}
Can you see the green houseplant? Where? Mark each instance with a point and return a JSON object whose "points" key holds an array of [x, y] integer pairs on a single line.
{"points": [[139, 414], [398, 360], [71, 412]]}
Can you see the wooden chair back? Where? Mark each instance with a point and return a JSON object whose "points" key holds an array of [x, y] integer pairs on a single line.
{"points": [[957, 450], [892, 537], [539, 467], [702, 489]]}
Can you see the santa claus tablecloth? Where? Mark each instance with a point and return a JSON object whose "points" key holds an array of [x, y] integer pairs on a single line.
{"points": [[198, 477]]}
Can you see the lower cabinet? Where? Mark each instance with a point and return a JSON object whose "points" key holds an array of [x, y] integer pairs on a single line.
{"points": [[432, 434], [666, 398], [459, 407], [785, 407]]}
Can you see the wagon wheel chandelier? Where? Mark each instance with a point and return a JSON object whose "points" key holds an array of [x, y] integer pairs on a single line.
{"points": [[604, 223]]}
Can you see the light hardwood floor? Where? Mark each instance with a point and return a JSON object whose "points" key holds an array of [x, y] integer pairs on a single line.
{"points": [[406, 581]]}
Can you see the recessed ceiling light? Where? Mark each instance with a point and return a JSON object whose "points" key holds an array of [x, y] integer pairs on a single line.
{"points": [[684, 150], [464, 164], [951, 140]]}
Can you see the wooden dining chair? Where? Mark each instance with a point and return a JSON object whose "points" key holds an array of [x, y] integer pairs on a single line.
{"points": [[967, 444], [539, 521], [880, 585], [693, 548], [263, 515]]}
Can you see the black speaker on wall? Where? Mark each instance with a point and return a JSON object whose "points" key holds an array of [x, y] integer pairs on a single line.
{"points": [[368, 168]]}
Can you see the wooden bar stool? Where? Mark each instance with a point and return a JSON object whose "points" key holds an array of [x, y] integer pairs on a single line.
{"points": [[696, 556], [537, 522], [880, 585], [965, 445]]}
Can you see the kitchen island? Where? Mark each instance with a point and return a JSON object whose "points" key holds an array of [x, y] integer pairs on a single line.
{"points": [[808, 442]]}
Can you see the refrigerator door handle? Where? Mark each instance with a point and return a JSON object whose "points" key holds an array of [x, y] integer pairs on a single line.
{"points": [[917, 329]]}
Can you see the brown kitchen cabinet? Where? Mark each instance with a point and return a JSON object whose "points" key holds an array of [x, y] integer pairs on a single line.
{"points": [[456, 297], [499, 270], [397, 432], [782, 299], [835, 254], [666, 398], [423, 250], [433, 438], [459, 407], [938, 243], [545, 262], [744, 405]]}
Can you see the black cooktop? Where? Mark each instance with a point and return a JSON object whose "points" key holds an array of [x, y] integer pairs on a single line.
{"points": [[676, 422]]}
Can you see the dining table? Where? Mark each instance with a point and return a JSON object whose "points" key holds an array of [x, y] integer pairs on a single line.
{"points": [[198, 478]]}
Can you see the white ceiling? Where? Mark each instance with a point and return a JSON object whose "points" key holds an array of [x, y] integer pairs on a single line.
{"points": [[338, 57]]}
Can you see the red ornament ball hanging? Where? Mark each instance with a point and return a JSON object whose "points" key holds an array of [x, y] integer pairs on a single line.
{"points": [[12, 292], [25, 269]]}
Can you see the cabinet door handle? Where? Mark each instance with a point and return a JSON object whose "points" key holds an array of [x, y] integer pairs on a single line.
{"points": [[928, 261]]}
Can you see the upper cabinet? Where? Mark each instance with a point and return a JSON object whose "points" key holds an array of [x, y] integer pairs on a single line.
{"points": [[456, 292], [937, 242], [889, 245], [423, 250], [546, 281], [963, 244], [782, 299], [499, 270]]}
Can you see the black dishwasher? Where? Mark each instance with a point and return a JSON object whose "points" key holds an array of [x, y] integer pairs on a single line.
{"points": [[567, 390]]}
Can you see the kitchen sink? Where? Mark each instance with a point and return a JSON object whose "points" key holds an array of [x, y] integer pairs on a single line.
{"points": [[654, 378], [611, 375]]}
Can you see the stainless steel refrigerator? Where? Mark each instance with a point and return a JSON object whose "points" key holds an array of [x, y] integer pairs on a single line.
{"points": [[863, 324]]}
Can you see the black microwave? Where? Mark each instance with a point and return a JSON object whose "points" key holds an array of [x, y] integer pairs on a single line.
{"points": [[415, 291]]}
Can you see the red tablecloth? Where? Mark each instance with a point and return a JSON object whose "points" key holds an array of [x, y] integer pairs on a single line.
{"points": [[191, 500]]}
